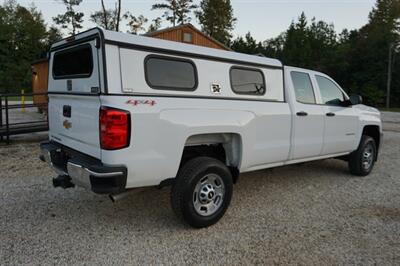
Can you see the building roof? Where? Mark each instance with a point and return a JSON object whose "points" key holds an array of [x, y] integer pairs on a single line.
{"points": [[38, 61], [190, 26]]}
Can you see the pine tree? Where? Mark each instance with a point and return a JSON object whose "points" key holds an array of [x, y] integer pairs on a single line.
{"points": [[247, 45], [184, 10], [176, 11], [71, 18], [107, 18], [23, 39], [155, 25], [217, 20], [370, 50], [135, 24]]}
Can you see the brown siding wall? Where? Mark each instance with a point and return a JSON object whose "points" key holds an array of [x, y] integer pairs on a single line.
{"points": [[198, 39], [39, 81]]}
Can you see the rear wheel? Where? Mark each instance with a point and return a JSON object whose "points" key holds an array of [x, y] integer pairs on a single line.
{"points": [[202, 191], [361, 161]]}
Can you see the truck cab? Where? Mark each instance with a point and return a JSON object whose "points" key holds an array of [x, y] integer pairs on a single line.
{"points": [[129, 112], [325, 121]]}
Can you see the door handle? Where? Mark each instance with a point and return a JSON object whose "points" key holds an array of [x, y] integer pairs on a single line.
{"points": [[302, 113], [330, 114]]}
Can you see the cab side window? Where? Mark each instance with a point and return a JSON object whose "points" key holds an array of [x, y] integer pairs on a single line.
{"points": [[330, 93], [303, 87]]}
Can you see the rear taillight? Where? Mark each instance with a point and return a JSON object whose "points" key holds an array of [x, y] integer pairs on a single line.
{"points": [[114, 128]]}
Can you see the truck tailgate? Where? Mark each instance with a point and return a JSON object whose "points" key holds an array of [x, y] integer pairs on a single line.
{"points": [[74, 122]]}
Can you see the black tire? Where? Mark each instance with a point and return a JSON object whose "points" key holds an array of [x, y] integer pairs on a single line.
{"points": [[188, 180], [357, 164]]}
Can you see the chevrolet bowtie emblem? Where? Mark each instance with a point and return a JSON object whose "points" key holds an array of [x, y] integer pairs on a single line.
{"points": [[67, 124]]}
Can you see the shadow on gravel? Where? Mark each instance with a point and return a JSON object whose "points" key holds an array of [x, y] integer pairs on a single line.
{"points": [[150, 209], [383, 213]]}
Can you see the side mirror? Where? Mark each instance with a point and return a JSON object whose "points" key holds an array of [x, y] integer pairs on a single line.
{"points": [[355, 99]]}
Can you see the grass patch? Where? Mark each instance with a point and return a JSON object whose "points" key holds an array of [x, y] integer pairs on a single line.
{"points": [[395, 109], [18, 98]]}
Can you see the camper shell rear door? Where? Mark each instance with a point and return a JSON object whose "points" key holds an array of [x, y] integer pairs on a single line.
{"points": [[74, 95]]}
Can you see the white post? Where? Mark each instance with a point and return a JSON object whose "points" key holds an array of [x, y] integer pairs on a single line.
{"points": [[389, 78]]}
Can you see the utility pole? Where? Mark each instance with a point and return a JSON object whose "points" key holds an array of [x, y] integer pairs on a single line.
{"points": [[389, 79]]}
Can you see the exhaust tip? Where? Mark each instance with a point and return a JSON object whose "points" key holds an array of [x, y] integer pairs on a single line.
{"points": [[112, 198], [117, 197]]}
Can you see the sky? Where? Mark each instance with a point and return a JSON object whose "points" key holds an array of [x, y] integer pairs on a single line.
{"points": [[263, 18]]}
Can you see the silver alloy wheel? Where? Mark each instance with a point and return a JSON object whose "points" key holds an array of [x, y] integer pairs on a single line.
{"points": [[368, 156], [208, 195]]}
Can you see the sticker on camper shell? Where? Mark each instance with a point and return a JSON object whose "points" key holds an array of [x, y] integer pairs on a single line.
{"points": [[215, 88], [141, 102]]}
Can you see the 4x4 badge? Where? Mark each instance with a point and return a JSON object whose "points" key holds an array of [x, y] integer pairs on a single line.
{"points": [[67, 124], [141, 102]]}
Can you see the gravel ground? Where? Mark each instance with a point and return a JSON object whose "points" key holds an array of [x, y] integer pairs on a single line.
{"points": [[310, 214]]}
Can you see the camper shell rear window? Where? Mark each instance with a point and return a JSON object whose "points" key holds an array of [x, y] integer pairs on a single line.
{"points": [[76, 62]]}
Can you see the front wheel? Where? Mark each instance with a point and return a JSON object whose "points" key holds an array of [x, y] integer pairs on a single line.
{"points": [[202, 191], [361, 161]]}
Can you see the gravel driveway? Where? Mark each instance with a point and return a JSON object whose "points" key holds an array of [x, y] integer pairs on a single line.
{"points": [[314, 213]]}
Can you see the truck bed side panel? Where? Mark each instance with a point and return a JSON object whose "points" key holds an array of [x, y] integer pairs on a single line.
{"points": [[161, 126]]}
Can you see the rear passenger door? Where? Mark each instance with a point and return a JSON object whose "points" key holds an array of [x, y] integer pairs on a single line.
{"points": [[308, 117], [341, 123]]}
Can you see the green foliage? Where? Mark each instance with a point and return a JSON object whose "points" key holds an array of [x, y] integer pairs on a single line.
{"points": [[155, 25], [71, 19], [247, 45], [372, 95], [111, 18], [108, 19], [216, 19], [23, 39], [357, 59], [136, 24], [176, 11]]}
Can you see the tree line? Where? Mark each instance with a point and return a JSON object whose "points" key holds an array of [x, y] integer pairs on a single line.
{"points": [[215, 17], [359, 59]]}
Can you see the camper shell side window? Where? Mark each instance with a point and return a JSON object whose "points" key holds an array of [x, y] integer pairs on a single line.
{"points": [[170, 73], [247, 81]]}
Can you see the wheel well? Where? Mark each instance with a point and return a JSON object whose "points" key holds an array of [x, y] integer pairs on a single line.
{"points": [[225, 147], [373, 132]]}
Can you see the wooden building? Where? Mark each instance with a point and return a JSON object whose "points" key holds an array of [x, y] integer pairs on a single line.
{"points": [[40, 71], [187, 33]]}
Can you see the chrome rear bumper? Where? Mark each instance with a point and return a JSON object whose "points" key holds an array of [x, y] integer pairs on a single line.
{"points": [[81, 175], [83, 170]]}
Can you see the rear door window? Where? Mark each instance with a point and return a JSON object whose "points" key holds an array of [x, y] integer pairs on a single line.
{"points": [[72, 63], [303, 87]]}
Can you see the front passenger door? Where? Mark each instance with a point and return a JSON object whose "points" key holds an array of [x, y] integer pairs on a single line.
{"points": [[341, 123]]}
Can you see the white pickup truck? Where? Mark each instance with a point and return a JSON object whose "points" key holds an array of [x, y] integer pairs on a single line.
{"points": [[128, 111]]}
